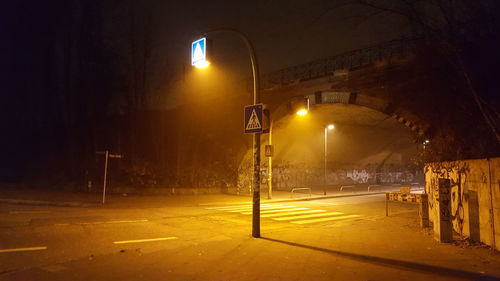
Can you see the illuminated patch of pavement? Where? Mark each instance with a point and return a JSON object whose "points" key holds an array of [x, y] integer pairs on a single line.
{"points": [[289, 213]]}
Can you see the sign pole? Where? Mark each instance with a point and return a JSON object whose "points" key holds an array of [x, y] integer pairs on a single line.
{"points": [[254, 125], [256, 135], [105, 175], [256, 142], [326, 154], [270, 164], [107, 155]]}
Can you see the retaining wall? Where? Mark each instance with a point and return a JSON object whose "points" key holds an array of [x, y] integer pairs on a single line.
{"points": [[475, 197]]}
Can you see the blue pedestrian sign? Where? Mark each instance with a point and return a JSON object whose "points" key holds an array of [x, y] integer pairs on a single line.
{"points": [[199, 52], [253, 118]]}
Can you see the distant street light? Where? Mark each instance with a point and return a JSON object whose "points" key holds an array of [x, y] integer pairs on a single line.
{"points": [[302, 112], [301, 107], [199, 58], [329, 127]]}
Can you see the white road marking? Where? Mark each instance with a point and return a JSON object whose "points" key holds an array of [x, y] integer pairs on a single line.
{"points": [[308, 216], [23, 249], [122, 221], [262, 208], [144, 240], [297, 215], [291, 213], [238, 207], [276, 211], [28, 212], [323, 203], [326, 219]]}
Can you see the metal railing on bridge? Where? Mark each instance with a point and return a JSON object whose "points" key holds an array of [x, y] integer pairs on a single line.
{"points": [[326, 66]]}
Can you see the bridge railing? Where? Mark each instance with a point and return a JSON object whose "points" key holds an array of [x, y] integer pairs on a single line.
{"points": [[326, 66]]}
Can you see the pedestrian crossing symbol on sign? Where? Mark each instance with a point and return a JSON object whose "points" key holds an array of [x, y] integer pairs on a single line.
{"points": [[269, 150], [253, 122], [199, 51], [253, 118]]}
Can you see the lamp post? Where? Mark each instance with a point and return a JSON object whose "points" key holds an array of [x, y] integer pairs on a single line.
{"points": [[256, 136], [270, 163], [302, 109], [327, 128]]}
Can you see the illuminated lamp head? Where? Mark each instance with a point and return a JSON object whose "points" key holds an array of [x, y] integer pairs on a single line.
{"points": [[302, 111], [202, 64]]}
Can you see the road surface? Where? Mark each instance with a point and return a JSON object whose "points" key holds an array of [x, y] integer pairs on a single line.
{"points": [[347, 238]]}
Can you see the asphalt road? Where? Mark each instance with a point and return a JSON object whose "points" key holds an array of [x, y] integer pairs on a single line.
{"points": [[345, 238]]}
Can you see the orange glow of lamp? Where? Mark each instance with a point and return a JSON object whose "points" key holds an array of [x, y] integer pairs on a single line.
{"points": [[302, 111]]}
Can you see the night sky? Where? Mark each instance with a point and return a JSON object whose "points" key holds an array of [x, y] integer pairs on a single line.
{"points": [[69, 64]]}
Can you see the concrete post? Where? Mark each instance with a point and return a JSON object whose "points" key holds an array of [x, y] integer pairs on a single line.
{"points": [[474, 227], [443, 227]]}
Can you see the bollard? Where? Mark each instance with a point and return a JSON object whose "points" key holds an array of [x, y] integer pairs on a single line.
{"points": [[424, 211], [387, 204]]}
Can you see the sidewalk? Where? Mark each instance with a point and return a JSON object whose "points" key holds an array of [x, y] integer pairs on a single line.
{"points": [[26, 196]]}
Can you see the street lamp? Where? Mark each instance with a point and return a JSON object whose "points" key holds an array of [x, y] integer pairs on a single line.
{"points": [[199, 57], [301, 112], [329, 127], [301, 107]]}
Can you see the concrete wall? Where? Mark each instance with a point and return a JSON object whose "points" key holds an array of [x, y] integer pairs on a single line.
{"points": [[289, 175], [475, 197]]}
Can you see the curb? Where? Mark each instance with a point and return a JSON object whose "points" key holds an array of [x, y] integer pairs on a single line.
{"points": [[322, 197], [78, 204], [299, 199], [41, 203]]}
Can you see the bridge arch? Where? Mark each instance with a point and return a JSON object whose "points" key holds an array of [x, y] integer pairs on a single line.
{"points": [[380, 81], [405, 117], [367, 146]]}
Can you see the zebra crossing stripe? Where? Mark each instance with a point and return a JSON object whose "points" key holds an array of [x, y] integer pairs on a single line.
{"points": [[263, 208], [291, 213], [237, 207], [308, 216], [325, 219], [276, 211]]}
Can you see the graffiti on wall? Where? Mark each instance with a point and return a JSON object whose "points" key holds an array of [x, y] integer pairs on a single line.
{"points": [[358, 176], [288, 175], [456, 172]]}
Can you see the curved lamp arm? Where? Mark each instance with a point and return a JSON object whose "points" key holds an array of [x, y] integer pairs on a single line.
{"points": [[253, 58]]}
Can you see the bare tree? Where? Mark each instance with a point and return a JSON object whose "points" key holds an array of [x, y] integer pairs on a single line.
{"points": [[452, 24]]}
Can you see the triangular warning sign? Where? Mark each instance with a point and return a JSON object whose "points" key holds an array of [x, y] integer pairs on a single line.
{"points": [[198, 52], [253, 122], [269, 150]]}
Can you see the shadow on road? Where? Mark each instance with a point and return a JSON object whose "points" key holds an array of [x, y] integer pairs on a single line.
{"points": [[467, 275]]}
